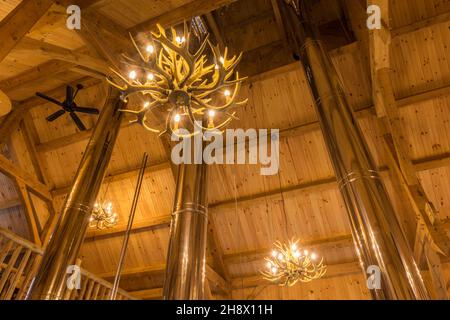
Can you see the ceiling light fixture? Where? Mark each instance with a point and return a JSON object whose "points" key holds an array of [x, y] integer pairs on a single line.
{"points": [[287, 265], [183, 83]]}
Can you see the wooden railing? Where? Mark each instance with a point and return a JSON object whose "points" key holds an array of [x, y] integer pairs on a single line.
{"points": [[19, 260]]}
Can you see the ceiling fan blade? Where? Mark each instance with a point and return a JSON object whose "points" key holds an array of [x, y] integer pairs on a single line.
{"points": [[86, 110], [78, 122], [43, 96], [69, 95], [55, 115]]}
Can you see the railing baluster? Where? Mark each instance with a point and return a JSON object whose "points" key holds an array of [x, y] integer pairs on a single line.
{"points": [[16, 278], [9, 268]]}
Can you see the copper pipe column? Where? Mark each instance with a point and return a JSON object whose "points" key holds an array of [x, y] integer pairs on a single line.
{"points": [[377, 235], [186, 258], [65, 243]]}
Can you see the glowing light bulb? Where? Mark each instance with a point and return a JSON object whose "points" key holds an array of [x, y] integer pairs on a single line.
{"points": [[297, 254], [313, 256], [180, 40], [177, 118], [269, 265], [150, 76], [222, 60], [274, 253], [216, 67], [274, 270], [91, 219], [306, 252], [150, 48], [280, 257], [132, 75], [294, 247], [146, 104], [227, 93], [211, 113]]}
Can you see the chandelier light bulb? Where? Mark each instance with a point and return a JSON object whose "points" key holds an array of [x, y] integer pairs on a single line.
{"points": [[297, 254], [150, 76], [211, 113], [274, 253], [132, 75], [150, 49], [146, 104], [305, 252], [294, 247], [280, 256], [313, 256], [222, 60], [227, 93], [269, 264], [180, 40], [274, 270], [177, 118]]}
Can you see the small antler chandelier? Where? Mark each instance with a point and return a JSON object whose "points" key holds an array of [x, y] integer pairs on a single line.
{"points": [[288, 265], [102, 216], [196, 86]]}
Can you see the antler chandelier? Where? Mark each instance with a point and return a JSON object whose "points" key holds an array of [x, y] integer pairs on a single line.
{"points": [[196, 86], [288, 265], [102, 216]]}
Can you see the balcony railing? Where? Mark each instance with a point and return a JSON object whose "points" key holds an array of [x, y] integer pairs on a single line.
{"points": [[19, 261]]}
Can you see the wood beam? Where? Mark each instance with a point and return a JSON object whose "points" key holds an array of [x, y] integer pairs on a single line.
{"points": [[43, 70], [180, 14], [150, 224], [148, 294], [33, 224], [442, 18], [34, 47], [339, 241], [19, 22], [14, 172], [118, 176], [10, 203]]}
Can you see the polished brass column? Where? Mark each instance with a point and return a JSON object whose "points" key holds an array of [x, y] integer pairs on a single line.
{"points": [[186, 258], [377, 235], [65, 243]]}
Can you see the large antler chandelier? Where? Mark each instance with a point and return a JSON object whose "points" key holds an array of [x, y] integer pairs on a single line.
{"points": [[196, 91], [102, 216], [289, 264]]}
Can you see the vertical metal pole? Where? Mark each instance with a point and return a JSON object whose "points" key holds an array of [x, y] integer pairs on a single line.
{"points": [[378, 238], [69, 232], [123, 250], [186, 258]]}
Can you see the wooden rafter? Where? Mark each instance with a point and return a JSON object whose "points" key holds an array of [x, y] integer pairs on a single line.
{"points": [[19, 22], [16, 173]]}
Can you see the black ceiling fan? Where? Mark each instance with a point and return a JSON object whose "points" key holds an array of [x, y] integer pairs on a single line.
{"points": [[69, 105]]}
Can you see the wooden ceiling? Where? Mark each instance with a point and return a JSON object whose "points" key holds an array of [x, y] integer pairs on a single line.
{"points": [[248, 212]]}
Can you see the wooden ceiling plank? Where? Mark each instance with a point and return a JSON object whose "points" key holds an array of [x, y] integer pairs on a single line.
{"points": [[19, 22]]}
